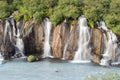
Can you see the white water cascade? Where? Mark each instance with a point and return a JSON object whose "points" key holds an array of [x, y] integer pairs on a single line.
{"points": [[1, 59], [47, 28], [110, 46], [10, 27], [19, 44], [82, 55]]}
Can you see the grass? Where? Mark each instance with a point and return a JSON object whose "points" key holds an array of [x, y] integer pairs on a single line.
{"points": [[107, 76]]}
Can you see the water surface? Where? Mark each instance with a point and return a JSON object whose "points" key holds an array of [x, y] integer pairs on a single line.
{"points": [[50, 70]]}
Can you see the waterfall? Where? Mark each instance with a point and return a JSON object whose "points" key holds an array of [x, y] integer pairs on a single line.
{"points": [[19, 44], [1, 59], [64, 51], [110, 46], [10, 27], [82, 55], [7, 30], [47, 28]]}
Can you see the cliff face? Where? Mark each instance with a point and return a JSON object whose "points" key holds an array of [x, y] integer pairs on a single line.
{"points": [[63, 40]]}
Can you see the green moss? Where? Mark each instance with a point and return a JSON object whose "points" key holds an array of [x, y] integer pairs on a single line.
{"points": [[31, 58]]}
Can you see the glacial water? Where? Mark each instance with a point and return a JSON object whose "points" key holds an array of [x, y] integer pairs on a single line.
{"points": [[51, 69]]}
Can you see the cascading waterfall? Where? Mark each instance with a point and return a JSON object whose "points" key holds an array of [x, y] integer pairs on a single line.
{"points": [[19, 44], [82, 55], [47, 28], [10, 27], [110, 46], [7, 30]]}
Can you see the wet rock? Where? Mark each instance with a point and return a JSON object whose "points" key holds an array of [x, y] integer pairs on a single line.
{"points": [[97, 44], [6, 46], [72, 44], [39, 37], [60, 36], [34, 40]]}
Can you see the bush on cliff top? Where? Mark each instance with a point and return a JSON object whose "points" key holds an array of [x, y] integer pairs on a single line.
{"points": [[57, 10]]}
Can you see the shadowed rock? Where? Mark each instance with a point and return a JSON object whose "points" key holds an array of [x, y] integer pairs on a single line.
{"points": [[72, 44]]}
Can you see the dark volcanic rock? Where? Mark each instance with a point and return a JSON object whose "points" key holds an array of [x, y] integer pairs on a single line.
{"points": [[34, 38]]}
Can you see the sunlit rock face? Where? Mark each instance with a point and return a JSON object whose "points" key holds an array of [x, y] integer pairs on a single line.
{"points": [[60, 37], [97, 44]]}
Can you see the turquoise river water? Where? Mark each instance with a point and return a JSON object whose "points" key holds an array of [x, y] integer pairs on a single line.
{"points": [[50, 69]]}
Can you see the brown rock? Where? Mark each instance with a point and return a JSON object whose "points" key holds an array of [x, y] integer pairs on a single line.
{"points": [[60, 36], [34, 40], [97, 44], [39, 37], [96, 59]]}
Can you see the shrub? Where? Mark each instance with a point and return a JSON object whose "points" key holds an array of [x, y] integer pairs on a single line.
{"points": [[31, 58]]}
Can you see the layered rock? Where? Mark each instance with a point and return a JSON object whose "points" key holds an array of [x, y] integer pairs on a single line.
{"points": [[61, 34]]}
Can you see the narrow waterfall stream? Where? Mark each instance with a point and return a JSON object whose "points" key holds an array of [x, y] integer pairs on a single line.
{"points": [[47, 28], [1, 59], [19, 45], [82, 55]]}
